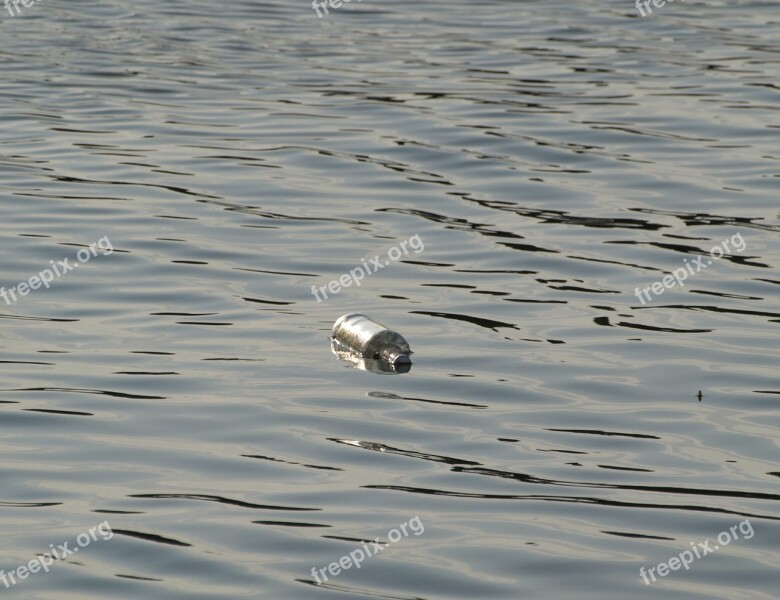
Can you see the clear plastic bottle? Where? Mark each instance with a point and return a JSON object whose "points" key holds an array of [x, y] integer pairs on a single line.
{"points": [[372, 340]]}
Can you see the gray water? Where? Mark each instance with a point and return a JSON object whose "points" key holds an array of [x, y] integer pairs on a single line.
{"points": [[552, 157]]}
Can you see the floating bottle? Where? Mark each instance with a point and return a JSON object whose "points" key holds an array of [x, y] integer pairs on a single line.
{"points": [[372, 340]]}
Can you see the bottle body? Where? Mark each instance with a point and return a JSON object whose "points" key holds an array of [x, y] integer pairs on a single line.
{"points": [[371, 339]]}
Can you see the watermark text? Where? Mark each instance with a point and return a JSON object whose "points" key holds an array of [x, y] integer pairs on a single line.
{"points": [[357, 274], [357, 556], [45, 561], [700, 549], [677, 276], [45, 277]]}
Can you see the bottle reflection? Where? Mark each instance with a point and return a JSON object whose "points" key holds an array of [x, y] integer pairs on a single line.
{"points": [[374, 365]]}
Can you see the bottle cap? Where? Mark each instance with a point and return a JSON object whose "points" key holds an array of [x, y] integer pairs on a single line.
{"points": [[402, 363]]}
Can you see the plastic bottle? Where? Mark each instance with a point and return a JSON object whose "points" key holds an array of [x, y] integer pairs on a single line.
{"points": [[372, 340]]}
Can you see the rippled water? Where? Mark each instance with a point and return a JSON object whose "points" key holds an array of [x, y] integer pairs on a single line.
{"points": [[552, 158]]}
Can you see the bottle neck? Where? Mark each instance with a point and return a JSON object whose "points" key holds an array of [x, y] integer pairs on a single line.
{"points": [[396, 357]]}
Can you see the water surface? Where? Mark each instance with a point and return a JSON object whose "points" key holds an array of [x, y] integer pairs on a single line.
{"points": [[552, 157]]}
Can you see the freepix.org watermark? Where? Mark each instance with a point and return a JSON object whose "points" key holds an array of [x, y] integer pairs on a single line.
{"points": [[45, 277], [316, 4], [679, 275], [657, 3], [15, 4], [44, 561], [686, 557], [357, 556], [358, 274]]}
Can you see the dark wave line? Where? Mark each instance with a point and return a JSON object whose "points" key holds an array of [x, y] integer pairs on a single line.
{"points": [[221, 500], [572, 499]]}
